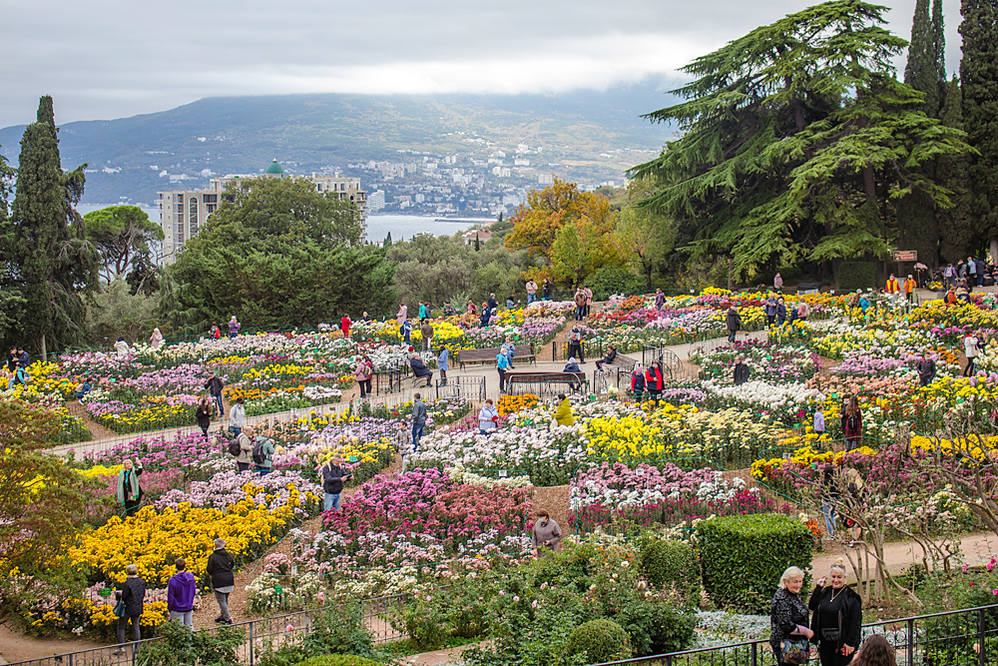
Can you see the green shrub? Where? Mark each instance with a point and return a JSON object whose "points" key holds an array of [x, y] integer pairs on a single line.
{"points": [[858, 275], [742, 557], [339, 660], [335, 631], [181, 647], [600, 640], [666, 563], [609, 280], [422, 622]]}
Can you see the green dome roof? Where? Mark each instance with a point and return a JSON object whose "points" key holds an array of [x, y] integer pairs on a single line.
{"points": [[274, 169]]}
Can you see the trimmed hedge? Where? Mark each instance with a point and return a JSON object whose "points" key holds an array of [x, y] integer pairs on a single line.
{"points": [[600, 640], [742, 557], [667, 563], [339, 660]]}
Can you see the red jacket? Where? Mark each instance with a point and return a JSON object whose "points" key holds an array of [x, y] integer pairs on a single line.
{"points": [[345, 325], [653, 379]]}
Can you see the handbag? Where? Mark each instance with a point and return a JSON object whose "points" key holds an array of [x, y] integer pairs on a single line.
{"points": [[795, 651], [832, 634], [119, 609]]}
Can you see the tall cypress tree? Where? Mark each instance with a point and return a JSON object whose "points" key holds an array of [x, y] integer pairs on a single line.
{"points": [[956, 227], [939, 45], [921, 71], [54, 259], [978, 76]]}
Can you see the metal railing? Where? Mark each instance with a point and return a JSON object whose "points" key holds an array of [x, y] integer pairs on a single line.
{"points": [[965, 637], [260, 636]]}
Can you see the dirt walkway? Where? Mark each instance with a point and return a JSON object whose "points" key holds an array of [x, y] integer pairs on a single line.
{"points": [[15, 646]]}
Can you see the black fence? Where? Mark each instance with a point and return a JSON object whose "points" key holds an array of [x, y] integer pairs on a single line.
{"points": [[260, 636], [967, 637]]}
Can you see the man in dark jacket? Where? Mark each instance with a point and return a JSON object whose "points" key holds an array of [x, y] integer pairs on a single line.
{"points": [[214, 386], [733, 320], [333, 476], [926, 368], [741, 373], [132, 594], [418, 421], [419, 368], [220, 564]]}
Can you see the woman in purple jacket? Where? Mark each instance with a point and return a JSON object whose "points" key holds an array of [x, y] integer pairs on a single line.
{"points": [[180, 594]]}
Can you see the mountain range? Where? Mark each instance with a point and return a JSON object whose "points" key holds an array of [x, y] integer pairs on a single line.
{"points": [[586, 135]]}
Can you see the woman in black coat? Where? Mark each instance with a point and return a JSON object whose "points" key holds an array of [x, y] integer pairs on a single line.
{"points": [[837, 622], [788, 618], [203, 415]]}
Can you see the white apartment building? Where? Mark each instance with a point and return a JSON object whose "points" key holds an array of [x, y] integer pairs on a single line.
{"points": [[182, 213]]}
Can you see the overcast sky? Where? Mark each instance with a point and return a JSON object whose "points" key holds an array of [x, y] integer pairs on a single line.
{"points": [[108, 59]]}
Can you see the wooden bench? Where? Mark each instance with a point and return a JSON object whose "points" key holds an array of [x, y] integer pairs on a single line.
{"points": [[625, 363], [577, 379], [521, 353]]}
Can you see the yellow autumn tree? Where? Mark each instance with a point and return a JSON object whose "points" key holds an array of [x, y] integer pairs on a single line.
{"points": [[536, 225]]}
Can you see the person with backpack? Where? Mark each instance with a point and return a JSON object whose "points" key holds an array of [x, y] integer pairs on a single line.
{"points": [[242, 448], [263, 454], [203, 416], [363, 373], [405, 331], [237, 418], [220, 565], [214, 386], [180, 592], [333, 476], [131, 597]]}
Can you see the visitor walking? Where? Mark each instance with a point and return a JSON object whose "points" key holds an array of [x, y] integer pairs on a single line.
{"points": [[654, 381], [545, 534], [180, 592], [345, 325], [122, 349], [838, 617], [611, 356], [778, 282], [203, 416], [502, 367], [575, 344], [405, 331], [589, 300], [402, 314], [659, 300], [638, 382], [363, 373], [156, 339], [128, 491], [131, 599], [426, 330], [333, 475], [818, 423], [488, 418], [263, 454], [781, 311], [424, 312], [876, 651], [788, 619], [418, 420], [234, 326], [580, 304], [733, 321], [237, 417], [419, 368], [970, 349], [214, 386], [852, 423], [219, 569], [909, 288], [546, 290], [493, 304], [949, 276], [926, 368], [531, 288], [740, 373], [563, 412], [972, 270], [443, 365], [245, 455]]}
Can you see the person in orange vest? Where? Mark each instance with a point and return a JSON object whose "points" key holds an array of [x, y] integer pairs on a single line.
{"points": [[892, 286], [909, 288]]}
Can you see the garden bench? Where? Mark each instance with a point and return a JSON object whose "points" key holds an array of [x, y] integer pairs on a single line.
{"points": [[521, 353], [625, 363], [543, 379]]}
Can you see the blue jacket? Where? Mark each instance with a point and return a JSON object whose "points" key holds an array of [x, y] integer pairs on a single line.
{"points": [[502, 361], [442, 360], [572, 367], [418, 367]]}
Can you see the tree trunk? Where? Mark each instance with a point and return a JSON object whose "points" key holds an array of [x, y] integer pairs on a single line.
{"points": [[45, 356], [731, 272], [993, 246]]}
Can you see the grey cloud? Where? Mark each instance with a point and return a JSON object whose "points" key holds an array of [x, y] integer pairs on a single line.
{"points": [[105, 58]]}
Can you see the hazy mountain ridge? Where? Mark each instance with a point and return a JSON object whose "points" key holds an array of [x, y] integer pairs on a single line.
{"points": [[582, 132]]}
